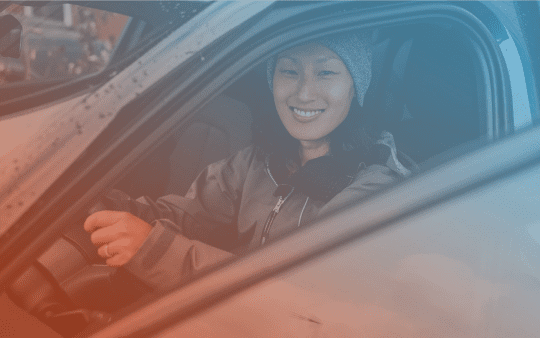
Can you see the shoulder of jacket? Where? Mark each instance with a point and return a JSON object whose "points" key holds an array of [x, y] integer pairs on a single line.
{"points": [[375, 174], [239, 163], [243, 156], [403, 168]]}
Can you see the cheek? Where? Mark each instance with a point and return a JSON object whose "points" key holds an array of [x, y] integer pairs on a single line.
{"points": [[340, 92], [280, 102], [281, 90], [341, 96]]}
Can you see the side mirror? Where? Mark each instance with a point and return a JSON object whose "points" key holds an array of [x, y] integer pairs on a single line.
{"points": [[10, 36]]}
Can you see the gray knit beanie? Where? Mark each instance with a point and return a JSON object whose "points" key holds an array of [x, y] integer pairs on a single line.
{"points": [[354, 49]]}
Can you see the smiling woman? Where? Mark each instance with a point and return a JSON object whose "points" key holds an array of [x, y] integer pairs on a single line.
{"points": [[314, 86], [313, 91], [319, 89], [326, 158]]}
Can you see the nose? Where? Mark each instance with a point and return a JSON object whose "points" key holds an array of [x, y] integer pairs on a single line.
{"points": [[306, 90]]}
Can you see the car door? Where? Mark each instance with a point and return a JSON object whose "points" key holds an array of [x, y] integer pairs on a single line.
{"points": [[451, 253], [457, 261], [151, 317]]}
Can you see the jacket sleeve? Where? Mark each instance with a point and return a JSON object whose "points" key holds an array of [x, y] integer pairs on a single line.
{"points": [[189, 233]]}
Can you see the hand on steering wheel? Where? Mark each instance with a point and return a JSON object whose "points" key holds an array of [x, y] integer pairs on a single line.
{"points": [[117, 234]]}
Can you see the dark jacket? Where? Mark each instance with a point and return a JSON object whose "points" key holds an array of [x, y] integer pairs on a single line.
{"points": [[225, 212]]}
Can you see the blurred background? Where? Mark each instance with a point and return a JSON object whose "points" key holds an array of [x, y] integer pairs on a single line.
{"points": [[61, 40]]}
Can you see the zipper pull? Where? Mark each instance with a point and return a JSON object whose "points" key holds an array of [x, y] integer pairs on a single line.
{"points": [[283, 191], [279, 204]]}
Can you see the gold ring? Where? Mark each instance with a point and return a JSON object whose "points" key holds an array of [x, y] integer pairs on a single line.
{"points": [[107, 251]]}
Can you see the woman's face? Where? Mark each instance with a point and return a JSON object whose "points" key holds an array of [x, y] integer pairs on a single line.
{"points": [[313, 91]]}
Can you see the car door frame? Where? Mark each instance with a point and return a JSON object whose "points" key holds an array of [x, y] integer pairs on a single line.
{"points": [[243, 273], [527, 14]]}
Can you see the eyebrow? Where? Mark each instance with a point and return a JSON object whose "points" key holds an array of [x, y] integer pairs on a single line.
{"points": [[324, 59], [319, 60], [288, 57]]}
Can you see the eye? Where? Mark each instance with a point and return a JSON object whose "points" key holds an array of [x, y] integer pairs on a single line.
{"points": [[289, 72], [327, 73]]}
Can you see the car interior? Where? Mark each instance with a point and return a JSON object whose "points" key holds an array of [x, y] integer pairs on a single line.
{"points": [[424, 91]]}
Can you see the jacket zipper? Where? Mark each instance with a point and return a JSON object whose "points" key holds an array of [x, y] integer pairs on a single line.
{"points": [[302, 213], [269, 173], [283, 196]]}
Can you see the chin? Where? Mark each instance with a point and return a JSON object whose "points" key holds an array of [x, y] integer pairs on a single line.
{"points": [[308, 135], [309, 138]]}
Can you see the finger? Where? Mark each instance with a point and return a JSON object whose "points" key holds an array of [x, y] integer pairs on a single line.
{"points": [[119, 259], [103, 219], [114, 248], [107, 235], [105, 251]]}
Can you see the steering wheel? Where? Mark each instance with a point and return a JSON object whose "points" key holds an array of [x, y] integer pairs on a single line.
{"points": [[69, 285]]}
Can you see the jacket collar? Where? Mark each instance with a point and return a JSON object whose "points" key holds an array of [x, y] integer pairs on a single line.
{"points": [[324, 177]]}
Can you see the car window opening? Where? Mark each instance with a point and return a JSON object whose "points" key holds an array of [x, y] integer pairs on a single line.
{"points": [[423, 91]]}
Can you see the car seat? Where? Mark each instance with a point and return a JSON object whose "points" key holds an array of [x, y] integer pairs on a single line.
{"points": [[220, 129], [425, 92]]}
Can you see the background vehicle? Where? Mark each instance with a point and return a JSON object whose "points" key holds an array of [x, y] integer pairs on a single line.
{"points": [[450, 77]]}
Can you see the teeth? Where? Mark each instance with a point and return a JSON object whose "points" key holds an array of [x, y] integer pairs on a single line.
{"points": [[307, 113]]}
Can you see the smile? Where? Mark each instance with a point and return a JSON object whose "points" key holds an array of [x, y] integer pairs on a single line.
{"points": [[306, 113]]}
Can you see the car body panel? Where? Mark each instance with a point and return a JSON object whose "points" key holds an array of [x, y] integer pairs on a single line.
{"points": [[422, 218], [467, 267]]}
